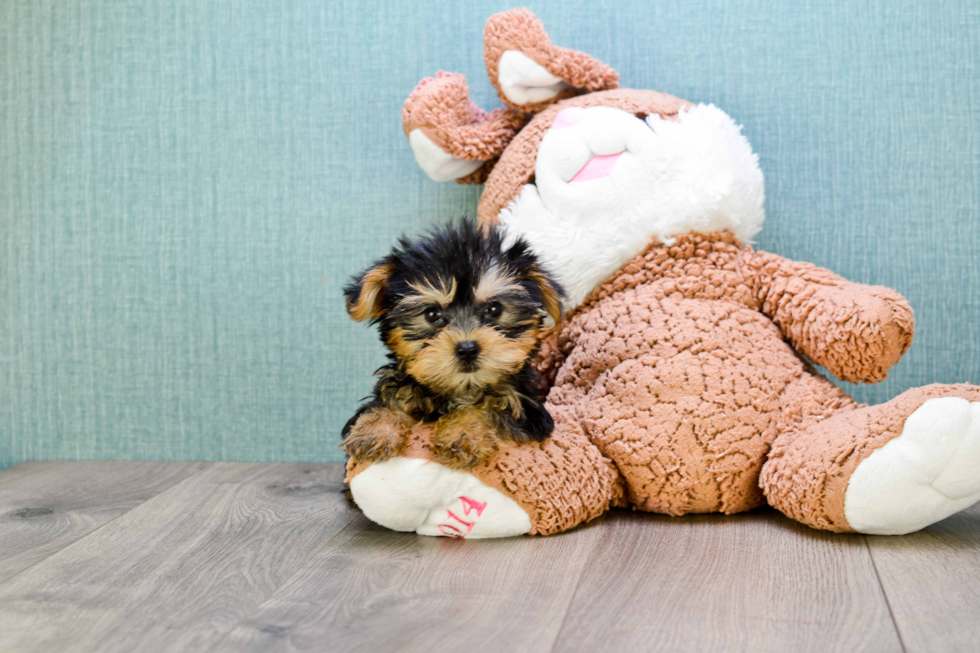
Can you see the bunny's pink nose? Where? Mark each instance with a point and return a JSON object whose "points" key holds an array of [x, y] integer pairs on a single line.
{"points": [[568, 117]]}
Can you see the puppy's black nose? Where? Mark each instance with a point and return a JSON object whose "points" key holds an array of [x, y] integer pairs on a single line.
{"points": [[467, 351]]}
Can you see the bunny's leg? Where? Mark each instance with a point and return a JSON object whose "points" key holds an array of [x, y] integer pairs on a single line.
{"points": [[888, 469]]}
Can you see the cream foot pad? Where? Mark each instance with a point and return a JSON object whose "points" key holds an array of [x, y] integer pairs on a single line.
{"points": [[412, 494], [926, 474]]}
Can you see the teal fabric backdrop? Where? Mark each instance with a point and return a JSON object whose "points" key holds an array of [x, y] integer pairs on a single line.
{"points": [[185, 185]]}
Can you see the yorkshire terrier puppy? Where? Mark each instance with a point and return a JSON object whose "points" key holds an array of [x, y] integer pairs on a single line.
{"points": [[461, 313]]}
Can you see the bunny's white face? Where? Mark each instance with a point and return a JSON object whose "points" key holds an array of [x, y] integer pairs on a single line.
{"points": [[608, 183]]}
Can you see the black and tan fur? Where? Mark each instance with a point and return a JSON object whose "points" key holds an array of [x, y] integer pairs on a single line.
{"points": [[461, 314]]}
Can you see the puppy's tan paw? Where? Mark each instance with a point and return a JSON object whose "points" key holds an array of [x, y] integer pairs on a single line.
{"points": [[464, 438], [378, 435]]}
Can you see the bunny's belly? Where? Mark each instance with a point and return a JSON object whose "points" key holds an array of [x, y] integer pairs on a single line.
{"points": [[682, 394]]}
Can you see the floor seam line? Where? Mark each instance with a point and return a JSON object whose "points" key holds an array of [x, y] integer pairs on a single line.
{"points": [[884, 593], [578, 585]]}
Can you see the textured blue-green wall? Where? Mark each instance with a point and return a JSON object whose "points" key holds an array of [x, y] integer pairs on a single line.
{"points": [[185, 184]]}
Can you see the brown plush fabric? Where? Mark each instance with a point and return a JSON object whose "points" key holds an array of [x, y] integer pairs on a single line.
{"points": [[440, 106], [857, 332], [521, 30], [678, 373], [560, 483], [812, 460], [516, 166]]}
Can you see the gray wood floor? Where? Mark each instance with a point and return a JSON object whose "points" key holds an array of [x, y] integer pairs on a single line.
{"points": [[144, 557]]}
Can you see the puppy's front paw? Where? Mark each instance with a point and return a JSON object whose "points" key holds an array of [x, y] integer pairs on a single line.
{"points": [[378, 435], [464, 438]]}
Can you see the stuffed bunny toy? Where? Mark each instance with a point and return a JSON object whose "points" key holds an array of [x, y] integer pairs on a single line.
{"points": [[682, 377]]}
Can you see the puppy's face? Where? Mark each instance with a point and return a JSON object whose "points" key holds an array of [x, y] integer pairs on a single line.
{"points": [[461, 312], [456, 336]]}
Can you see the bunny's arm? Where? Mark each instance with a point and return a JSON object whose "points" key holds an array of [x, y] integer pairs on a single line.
{"points": [[857, 332]]}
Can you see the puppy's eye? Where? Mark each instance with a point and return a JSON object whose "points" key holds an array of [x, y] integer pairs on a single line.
{"points": [[433, 315], [493, 311]]}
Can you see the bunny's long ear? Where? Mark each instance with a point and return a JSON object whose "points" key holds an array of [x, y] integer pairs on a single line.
{"points": [[452, 137], [529, 72]]}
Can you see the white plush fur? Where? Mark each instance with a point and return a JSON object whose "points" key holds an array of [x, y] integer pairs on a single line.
{"points": [[927, 473], [437, 163], [696, 173], [412, 494], [522, 80]]}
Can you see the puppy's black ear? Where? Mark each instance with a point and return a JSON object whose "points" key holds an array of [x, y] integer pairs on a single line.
{"points": [[551, 293], [365, 293]]}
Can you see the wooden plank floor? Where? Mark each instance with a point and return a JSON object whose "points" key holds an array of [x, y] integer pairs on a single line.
{"points": [[271, 557]]}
